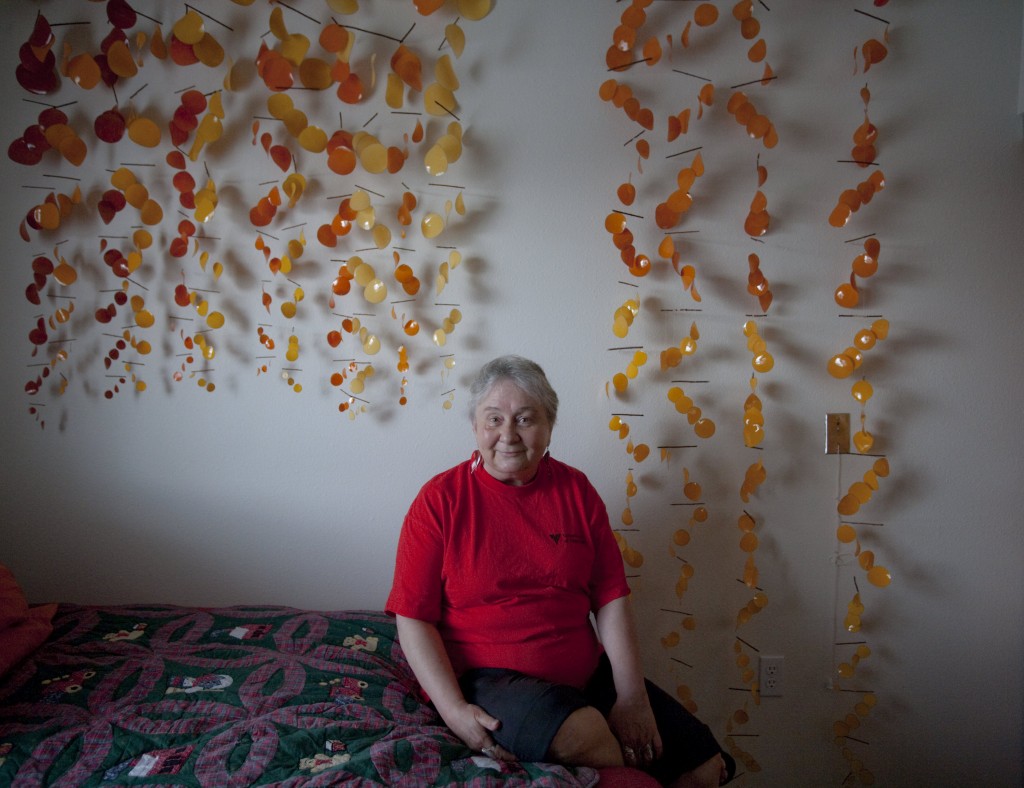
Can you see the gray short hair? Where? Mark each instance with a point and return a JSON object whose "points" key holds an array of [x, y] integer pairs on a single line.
{"points": [[526, 374]]}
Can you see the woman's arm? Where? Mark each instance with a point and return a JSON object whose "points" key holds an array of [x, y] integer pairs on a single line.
{"points": [[631, 719], [426, 653]]}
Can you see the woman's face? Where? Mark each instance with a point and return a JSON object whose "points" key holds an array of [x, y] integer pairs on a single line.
{"points": [[512, 432]]}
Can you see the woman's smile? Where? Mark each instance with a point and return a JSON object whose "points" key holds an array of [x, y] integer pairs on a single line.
{"points": [[512, 433]]}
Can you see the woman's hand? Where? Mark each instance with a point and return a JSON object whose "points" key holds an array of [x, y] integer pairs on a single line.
{"points": [[474, 726], [425, 651], [632, 722], [631, 718]]}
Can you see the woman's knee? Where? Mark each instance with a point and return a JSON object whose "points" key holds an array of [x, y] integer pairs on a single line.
{"points": [[585, 739], [709, 774]]}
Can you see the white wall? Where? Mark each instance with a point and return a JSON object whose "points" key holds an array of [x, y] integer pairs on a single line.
{"points": [[256, 494]]}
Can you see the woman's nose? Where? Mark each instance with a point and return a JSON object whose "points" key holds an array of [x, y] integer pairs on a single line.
{"points": [[509, 433]]}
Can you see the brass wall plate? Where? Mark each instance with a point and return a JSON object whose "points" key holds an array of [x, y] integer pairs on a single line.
{"points": [[837, 433]]}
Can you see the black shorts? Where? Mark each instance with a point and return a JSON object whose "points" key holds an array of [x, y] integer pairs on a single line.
{"points": [[532, 710]]}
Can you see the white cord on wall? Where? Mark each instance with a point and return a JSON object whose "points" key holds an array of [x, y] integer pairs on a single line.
{"points": [[1020, 85]]}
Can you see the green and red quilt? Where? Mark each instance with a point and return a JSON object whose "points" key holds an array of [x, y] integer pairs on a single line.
{"points": [[239, 696]]}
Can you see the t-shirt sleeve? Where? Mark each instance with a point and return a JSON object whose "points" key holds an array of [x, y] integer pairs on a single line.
{"points": [[608, 581], [416, 588]]}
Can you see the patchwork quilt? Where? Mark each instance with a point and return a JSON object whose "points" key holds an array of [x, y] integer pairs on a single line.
{"points": [[239, 696]]}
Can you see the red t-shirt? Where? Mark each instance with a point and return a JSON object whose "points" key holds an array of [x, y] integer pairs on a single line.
{"points": [[510, 574]]}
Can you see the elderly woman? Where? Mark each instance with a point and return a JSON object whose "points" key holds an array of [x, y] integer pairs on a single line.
{"points": [[501, 562]]}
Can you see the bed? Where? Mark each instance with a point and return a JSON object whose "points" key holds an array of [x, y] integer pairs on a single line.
{"points": [[160, 694]]}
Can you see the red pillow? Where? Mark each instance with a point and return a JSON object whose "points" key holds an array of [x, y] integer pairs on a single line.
{"points": [[625, 777], [22, 628]]}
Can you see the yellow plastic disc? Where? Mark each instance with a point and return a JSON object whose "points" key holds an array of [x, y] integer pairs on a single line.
{"points": [[763, 362], [151, 213], [444, 72], [862, 391], [381, 236], [436, 161], [279, 105], [209, 51], [363, 273], [848, 505], [190, 29], [704, 428], [376, 291], [374, 158], [144, 132], [840, 366], [313, 139], [432, 225], [474, 9], [438, 100], [456, 37]]}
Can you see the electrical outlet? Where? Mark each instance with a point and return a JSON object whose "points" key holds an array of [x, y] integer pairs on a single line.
{"points": [[837, 433], [770, 678]]}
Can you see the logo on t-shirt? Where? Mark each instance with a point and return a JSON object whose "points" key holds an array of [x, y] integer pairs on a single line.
{"points": [[567, 539]]}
